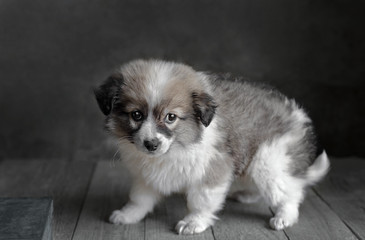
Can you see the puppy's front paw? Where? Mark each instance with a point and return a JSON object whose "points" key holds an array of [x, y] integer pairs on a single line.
{"points": [[278, 223], [191, 227], [118, 217]]}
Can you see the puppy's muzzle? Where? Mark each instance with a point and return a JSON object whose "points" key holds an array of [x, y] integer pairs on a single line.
{"points": [[152, 145]]}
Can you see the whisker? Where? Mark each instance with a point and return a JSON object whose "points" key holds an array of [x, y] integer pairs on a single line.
{"points": [[113, 158]]}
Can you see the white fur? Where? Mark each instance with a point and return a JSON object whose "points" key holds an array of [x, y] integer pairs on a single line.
{"points": [[300, 116], [318, 169], [158, 77], [202, 204], [110, 124], [148, 130], [165, 143], [142, 201]]}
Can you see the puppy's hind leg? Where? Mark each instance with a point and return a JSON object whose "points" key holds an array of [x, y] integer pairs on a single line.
{"points": [[286, 214], [287, 211], [284, 196], [282, 191]]}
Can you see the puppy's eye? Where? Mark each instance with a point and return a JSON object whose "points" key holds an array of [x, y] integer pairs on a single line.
{"points": [[137, 116], [170, 118]]}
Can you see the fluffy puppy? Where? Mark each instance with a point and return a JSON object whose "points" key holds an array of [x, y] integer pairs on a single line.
{"points": [[180, 130]]}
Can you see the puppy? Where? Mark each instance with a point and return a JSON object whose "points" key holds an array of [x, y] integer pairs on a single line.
{"points": [[180, 130]]}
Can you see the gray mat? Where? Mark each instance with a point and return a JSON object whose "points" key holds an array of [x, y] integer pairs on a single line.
{"points": [[26, 218]]}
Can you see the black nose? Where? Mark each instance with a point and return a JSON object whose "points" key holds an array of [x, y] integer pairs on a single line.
{"points": [[151, 145]]}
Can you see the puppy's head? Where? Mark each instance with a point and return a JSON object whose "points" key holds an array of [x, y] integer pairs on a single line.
{"points": [[156, 105]]}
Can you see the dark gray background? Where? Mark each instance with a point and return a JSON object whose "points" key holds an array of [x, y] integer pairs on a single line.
{"points": [[53, 52]]}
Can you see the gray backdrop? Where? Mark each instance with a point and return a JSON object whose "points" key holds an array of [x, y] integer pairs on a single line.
{"points": [[53, 52]]}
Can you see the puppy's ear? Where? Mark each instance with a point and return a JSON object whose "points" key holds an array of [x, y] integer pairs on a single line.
{"points": [[107, 93], [204, 107]]}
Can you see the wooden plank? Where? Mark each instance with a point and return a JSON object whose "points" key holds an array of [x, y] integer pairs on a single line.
{"points": [[26, 218], [160, 225], [344, 192], [318, 222], [108, 191], [65, 182], [352, 213], [70, 197]]}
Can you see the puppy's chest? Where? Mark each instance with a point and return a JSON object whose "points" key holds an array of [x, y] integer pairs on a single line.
{"points": [[174, 172]]}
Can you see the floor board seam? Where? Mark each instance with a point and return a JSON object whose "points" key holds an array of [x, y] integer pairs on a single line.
{"points": [[84, 198], [144, 224], [213, 233], [343, 221]]}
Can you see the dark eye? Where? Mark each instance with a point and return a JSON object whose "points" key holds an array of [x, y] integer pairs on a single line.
{"points": [[170, 118], [137, 116]]}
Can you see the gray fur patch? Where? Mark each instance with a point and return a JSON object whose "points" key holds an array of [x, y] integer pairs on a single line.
{"points": [[254, 114]]}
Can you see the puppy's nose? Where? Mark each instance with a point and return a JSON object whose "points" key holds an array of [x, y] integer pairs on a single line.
{"points": [[151, 145]]}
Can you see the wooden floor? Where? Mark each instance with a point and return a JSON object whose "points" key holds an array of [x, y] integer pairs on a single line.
{"points": [[85, 193]]}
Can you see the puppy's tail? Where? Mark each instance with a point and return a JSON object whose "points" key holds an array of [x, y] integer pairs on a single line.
{"points": [[318, 169]]}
